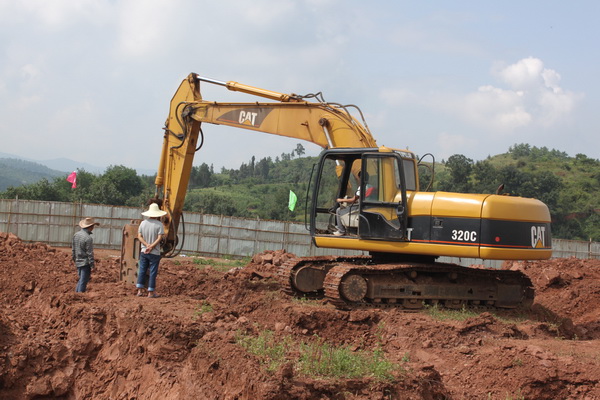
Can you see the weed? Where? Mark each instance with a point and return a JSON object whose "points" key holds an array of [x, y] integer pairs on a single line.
{"points": [[317, 358], [379, 332], [518, 396], [517, 362], [270, 351], [204, 307], [508, 396], [221, 265], [308, 301], [517, 319], [406, 357], [321, 359], [439, 313]]}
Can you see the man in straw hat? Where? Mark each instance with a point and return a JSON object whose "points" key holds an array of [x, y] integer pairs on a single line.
{"points": [[83, 252], [150, 234]]}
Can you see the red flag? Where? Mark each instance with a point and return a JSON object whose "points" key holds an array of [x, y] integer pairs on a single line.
{"points": [[73, 179]]}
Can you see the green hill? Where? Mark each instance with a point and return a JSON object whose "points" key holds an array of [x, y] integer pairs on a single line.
{"points": [[570, 186], [15, 172]]}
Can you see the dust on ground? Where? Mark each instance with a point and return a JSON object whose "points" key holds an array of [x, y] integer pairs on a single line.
{"points": [[108, 343]]}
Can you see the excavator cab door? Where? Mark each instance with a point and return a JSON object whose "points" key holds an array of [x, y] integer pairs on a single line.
{"points": [[384, 207], [381, 179]]}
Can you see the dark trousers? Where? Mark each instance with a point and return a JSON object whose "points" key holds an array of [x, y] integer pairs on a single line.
{"points": [[85, 273], [148, 263]]}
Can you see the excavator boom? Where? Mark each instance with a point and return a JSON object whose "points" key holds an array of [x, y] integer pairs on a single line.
{"points": [[324, 124]]}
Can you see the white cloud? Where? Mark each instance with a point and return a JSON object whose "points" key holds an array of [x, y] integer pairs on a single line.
{"points": [[79, 113], [55, 14], [147, 25], [113, 66], [449, 144], [439, 32], [25, 103], [267, 13], [555, 106], [524, 73], [551, 80], [29, 72], [534, 98], [498, 108], [397, 96]]}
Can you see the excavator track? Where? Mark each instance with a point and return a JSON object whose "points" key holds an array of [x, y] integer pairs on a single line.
{"points": [[355, 282], [304, 276]]}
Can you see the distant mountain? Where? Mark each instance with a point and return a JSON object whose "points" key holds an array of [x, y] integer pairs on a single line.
{"points": [[15, 172], [64, 165], [59, 164], [18, 171]]}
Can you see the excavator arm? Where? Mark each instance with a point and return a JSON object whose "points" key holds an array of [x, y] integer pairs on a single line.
{"points": [[328, 125]]}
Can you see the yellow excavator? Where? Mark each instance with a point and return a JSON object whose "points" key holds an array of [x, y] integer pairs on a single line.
{"points": [[403, 229]]}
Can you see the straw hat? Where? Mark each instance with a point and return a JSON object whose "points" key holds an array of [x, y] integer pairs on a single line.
{"points": [[87, 222], [154, 211]]}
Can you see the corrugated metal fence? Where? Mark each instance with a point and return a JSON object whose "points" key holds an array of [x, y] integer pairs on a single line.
{"points": [[208, 235]]}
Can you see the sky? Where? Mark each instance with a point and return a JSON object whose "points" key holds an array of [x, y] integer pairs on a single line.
{"points": [[91, 80]]}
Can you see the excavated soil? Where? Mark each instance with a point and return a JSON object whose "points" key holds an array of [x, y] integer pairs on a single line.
{"points": [[108, 343]]}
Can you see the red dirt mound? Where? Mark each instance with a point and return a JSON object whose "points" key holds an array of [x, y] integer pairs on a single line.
{"points": [[108, 343]]}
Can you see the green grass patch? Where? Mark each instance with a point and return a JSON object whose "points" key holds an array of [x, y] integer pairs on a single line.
{"points": [[270, 351], [205, 307], [318, 358], [307, 301], [202, 308], [223, 265], [321, 359], [441, 313]]}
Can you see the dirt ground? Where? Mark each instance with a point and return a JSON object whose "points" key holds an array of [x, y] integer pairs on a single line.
{"points": [[110, 344]]}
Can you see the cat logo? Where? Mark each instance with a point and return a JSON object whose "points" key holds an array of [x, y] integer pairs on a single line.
{"points": [[538, 237], [245, 117]]}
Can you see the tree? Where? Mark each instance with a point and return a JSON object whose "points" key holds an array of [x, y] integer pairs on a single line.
{"points": [[103, 191], [591, 227], [485, 177], [82, 192], [513, 179], [116, 186], [201, 176], [41, 190], [126, 180], [520, 150], [299, 150], [263, 167], [460, 172], [213, 202], [544, 186]]}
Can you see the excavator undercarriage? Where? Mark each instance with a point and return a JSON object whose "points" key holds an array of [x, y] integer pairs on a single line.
{"points": [[361, 281]]}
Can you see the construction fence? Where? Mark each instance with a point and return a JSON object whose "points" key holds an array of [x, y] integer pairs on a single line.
{"points": [[206, 235]]}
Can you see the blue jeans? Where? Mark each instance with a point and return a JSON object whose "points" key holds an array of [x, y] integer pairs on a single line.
{"points": [[148, 263], [85, 273]]}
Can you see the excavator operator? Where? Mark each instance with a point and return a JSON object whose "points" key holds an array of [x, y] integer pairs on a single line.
{"points": [[347, 210]]}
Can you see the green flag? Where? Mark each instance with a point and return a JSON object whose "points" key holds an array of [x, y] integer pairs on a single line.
{"points": [[293, 200]]}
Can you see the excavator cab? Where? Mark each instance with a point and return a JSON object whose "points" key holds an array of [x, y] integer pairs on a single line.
{"points": [[395, 220], [383, 176]]}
